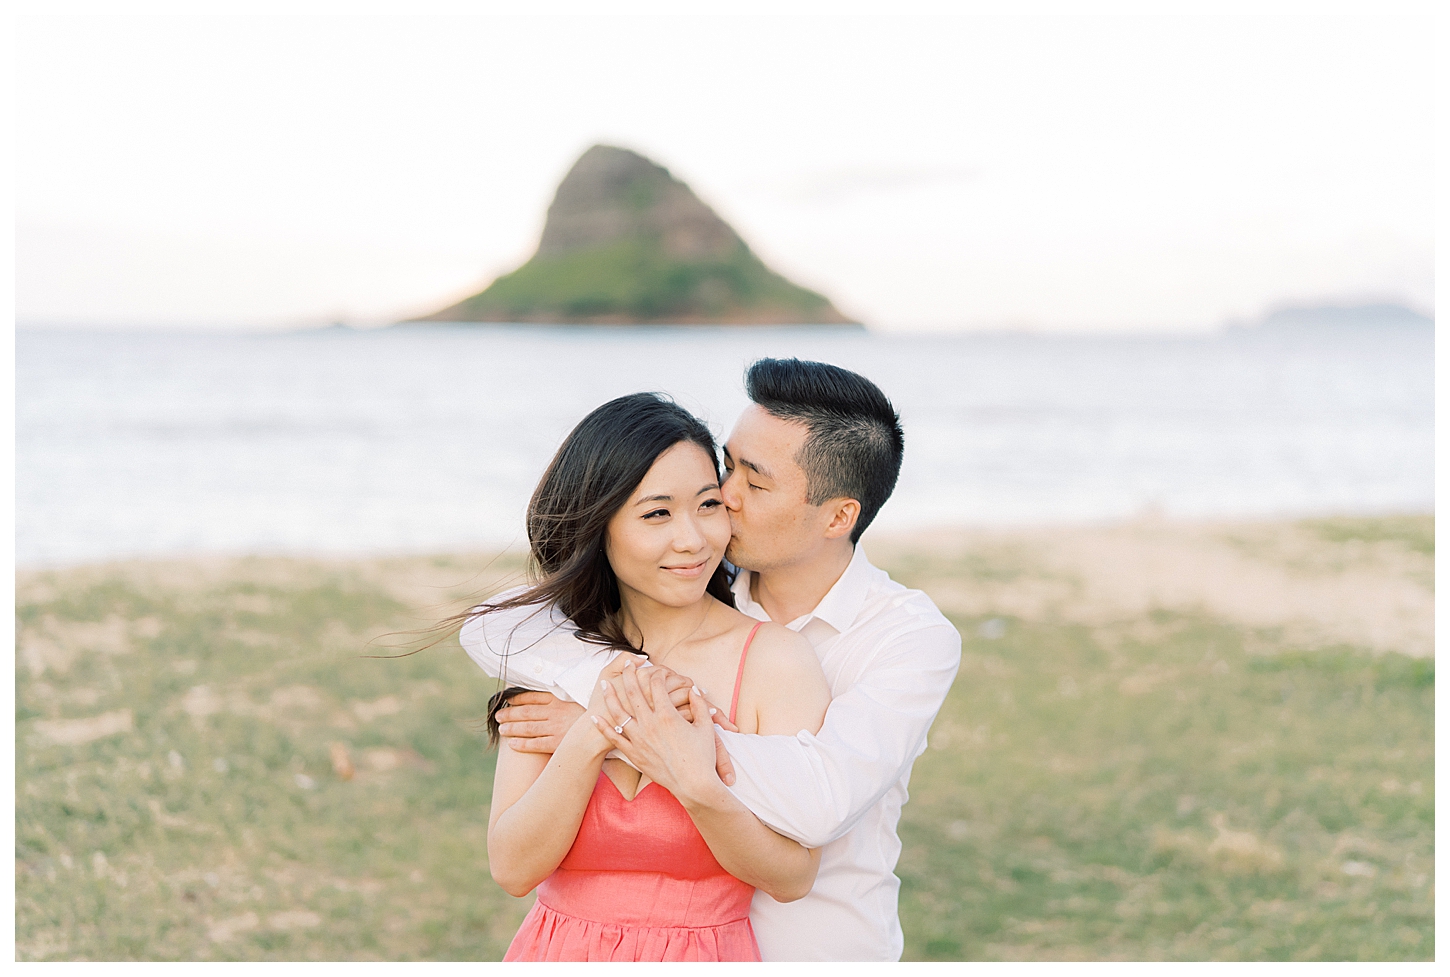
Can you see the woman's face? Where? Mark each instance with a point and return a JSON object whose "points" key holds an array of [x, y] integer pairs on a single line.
{"points": [[666, 541]]}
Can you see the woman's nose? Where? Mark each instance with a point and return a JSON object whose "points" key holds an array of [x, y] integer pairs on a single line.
{"points": [[688, 537]]}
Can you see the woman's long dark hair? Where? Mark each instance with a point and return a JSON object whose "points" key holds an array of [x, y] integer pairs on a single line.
{"points": [[591, 478]]}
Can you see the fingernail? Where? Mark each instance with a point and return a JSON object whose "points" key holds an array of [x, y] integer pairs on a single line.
{"points": [[594, 720], [712, 712], [604, 685], [696, 690]]}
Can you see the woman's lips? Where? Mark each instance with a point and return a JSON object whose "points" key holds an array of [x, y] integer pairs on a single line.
{"points": [[693, 570]]}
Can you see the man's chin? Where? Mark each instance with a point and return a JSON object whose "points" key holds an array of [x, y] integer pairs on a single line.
{"points": [[737, 554]]}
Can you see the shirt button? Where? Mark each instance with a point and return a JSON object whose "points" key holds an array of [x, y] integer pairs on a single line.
{"points": [[538, 668]]}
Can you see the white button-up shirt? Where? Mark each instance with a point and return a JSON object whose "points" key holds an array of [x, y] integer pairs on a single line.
{"points": [[889, 657]]}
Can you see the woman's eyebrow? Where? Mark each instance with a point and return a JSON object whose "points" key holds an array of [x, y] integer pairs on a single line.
{"points": [[653, 498], [712, 487]]}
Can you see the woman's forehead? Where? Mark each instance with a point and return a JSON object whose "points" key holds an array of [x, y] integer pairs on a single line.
{"points": [[683, 460]]}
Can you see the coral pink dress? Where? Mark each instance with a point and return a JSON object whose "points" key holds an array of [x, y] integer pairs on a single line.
{"points": [[640, 884]]}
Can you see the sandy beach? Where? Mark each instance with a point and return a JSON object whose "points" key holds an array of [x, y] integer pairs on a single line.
{"points": [[1168, 740]]}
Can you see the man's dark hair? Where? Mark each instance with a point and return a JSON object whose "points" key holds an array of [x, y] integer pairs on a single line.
{"points": [[855, 442]]}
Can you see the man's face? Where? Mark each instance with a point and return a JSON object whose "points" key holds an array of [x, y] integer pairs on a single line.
{"points": [[771, 524]]}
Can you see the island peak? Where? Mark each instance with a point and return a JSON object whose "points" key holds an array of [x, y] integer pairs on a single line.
{"points": [[624, 243]]}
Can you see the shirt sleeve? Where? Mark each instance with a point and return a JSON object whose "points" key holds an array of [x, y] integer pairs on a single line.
{"points": [[536, 648], [815, 788]]}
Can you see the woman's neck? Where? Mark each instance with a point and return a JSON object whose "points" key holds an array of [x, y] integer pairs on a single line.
{"points": [[657, 628]]}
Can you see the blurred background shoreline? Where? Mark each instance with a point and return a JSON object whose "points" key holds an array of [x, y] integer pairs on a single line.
{"points": [[431, 438]]}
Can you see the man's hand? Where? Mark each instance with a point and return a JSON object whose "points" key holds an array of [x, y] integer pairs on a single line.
{"points": [[724, 769], [535, 722]]}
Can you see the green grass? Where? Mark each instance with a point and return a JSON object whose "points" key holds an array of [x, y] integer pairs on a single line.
{"points": [[1090, 795], [1416, 533], [185, 838], [1146, 790]]}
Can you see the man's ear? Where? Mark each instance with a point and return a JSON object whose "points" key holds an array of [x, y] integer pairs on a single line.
{"points": [[844, 513]]}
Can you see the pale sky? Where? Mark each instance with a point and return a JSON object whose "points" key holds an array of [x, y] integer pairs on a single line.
{"points": [[1050, 173]]}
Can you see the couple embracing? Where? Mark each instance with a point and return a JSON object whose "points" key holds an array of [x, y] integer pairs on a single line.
{"points": [[714, 699]]}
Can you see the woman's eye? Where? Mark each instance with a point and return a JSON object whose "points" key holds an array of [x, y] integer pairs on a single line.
{"points": [[711, 504], [656, 512]]}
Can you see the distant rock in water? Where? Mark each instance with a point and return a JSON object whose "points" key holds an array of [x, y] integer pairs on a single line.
{"points": [[1342, 316], [627, 243]]}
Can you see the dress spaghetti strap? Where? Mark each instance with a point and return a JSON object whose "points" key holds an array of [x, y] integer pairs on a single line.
{"points": [[740, 672]]}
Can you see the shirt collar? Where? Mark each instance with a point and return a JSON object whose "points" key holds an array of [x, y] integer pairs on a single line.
{"points": [[839, 608]]}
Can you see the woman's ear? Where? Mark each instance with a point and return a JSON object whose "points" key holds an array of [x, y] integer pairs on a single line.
{"points": [[844, 513]]}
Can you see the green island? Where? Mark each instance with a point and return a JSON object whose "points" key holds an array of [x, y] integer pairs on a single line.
{"points": [[1236, 763], [626, 243]]}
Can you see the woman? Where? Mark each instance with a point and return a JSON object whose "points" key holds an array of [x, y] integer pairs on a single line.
{"points": [[627, 529]]}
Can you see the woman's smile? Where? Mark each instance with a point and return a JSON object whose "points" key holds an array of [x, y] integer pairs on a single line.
{"points": [[690, 570]]}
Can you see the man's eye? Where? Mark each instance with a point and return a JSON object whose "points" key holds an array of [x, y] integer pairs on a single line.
{"points": [[754, 486]]}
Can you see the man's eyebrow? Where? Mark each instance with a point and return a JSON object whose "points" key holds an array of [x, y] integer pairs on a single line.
{"points": [[748, 464]]}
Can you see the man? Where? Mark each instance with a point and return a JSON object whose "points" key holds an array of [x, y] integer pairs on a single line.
{"points": [[808, 465]]}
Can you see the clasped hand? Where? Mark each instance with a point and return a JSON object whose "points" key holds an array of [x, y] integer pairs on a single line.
{"points": [[536, 722], [639, 720]]}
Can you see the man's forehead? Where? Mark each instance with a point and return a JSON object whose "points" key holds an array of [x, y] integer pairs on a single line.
{"points": [[763, 438]]}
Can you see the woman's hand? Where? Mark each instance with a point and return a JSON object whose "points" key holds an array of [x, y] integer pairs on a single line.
{"points": [[583, 726], [676, 753], [609, 673]]}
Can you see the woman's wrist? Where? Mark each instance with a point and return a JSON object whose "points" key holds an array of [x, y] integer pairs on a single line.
{"points": [[585, 736], [705, 794]]}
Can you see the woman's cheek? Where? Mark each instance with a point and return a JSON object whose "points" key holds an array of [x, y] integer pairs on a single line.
{"points": [[719, 531], [627, 555]]}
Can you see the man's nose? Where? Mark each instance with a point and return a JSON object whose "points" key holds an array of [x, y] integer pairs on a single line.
{"points": [[730, 491]]}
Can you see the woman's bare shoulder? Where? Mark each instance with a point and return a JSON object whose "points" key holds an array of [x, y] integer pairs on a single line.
{"points": [[779, 658], [780, 644], [783, 683]]}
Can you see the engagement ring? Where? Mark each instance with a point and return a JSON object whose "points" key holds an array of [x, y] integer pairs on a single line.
{"points": [[620, 727]]}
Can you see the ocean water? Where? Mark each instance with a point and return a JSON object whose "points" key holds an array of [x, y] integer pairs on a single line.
{"points": [[432, 438]]}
